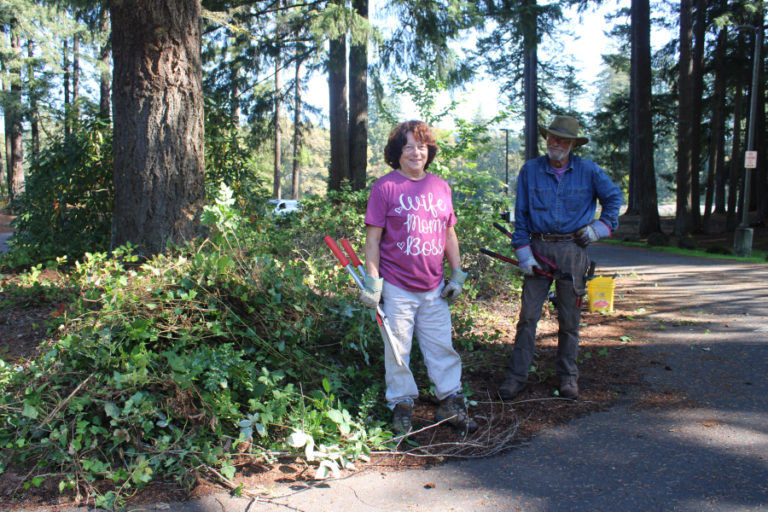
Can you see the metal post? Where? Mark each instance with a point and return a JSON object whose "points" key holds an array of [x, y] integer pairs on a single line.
{"points": [[742, 239]]}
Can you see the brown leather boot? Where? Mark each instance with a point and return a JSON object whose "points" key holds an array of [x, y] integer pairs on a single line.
{"points": [[569, 388], [511, 388]]}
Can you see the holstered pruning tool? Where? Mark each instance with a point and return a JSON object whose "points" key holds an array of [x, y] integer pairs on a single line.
{"points": [[538, 256], [381, 317]]}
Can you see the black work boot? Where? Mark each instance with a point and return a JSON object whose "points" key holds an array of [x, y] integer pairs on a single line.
{"points": [[454, 410], [401, 419], [511, 388]]}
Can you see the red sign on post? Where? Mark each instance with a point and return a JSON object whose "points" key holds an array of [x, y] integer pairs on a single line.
{"points": [[750, 159]]}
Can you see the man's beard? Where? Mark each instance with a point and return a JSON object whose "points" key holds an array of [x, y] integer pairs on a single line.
{"points": [[557, 154]]}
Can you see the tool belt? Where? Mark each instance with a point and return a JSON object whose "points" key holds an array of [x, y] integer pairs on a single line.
{"points": [[553, 237]]}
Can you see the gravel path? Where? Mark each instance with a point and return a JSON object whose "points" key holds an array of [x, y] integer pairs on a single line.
{"points": [[705, 449]]}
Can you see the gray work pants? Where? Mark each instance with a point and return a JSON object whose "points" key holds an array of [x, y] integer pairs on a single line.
{"points": [[572, 263]]}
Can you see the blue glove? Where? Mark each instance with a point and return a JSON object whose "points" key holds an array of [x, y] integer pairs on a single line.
{"points": [[452, 290], [526, 260], [592, 233], [371, 294]]}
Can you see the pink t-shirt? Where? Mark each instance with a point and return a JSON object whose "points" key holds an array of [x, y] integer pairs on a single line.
{"points": [[415, 216]]}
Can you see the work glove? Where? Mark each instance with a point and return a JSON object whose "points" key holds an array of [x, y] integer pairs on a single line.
{"points": [[371, 294], [591, 233], [526, 260], [452, 290]]}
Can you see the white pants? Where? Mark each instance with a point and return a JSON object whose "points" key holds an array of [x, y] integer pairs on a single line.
{"points": [[428, 316]]}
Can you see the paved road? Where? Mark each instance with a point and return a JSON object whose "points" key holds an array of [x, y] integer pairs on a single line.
{"points": [[3, 241], [709, 452]]}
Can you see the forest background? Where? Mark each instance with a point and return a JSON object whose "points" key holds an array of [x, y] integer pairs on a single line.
{"points": [[187, 325]]}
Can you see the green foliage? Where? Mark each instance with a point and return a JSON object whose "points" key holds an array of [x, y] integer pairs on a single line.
{"points": [[66, 207], [250, 343]]}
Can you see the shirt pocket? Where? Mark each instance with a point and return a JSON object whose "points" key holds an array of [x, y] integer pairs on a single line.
{"points": [[577, 200], [542, 199]]}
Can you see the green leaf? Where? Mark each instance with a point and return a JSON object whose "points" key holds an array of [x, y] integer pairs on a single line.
{"points": [[335, 416], [228, 471], [112, 410], [326, 385], [30, 412]]}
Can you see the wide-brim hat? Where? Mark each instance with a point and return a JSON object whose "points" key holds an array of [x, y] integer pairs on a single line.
{"points": [[565, 127]]}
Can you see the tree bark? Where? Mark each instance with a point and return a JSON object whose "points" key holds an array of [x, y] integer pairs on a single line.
{"points": [[734, 175], [641, 147], [685, 132], [696, 108], [34, 114], [296, 131], [67, 78], [358, 106], [338, 113], [278, 163], [105, 83], [16, 165], [75, 81], [716, 139], [530, 83], [158, 122]]}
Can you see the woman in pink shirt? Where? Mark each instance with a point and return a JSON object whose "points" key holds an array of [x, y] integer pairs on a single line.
{"points": [[409, 231]]}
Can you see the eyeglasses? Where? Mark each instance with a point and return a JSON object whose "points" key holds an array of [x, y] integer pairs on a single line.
{"points": [[409, 148]]}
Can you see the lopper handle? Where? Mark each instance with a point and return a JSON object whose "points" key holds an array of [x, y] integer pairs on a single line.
{"points": [[351, 252], [502, 229], [336, 251]]}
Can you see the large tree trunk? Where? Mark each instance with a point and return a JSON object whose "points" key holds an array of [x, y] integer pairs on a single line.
{"points": [[105, 83], [685, 131], [641, 146], [530, 83], [358, 106], [338, 112], [158, 122], [717, 136], [16, 165], [296, 130], [696, 108], [277, 175], [34, 114], [734, 175]]}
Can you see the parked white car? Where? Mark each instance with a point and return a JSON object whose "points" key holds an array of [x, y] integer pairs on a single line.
{"points": [[283, 206]]}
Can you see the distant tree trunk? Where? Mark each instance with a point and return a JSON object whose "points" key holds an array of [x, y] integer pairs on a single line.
{"points": [[296, 131], [67, 78], [358, 106], [277, 177], [530, 82], [338, 112], [716, 140], [696, 108], [34, 114], [158, 122], [685, 131], [75, 81], [641, 145], [16, 166], [736, 149], [105, 83], [761, 173]]}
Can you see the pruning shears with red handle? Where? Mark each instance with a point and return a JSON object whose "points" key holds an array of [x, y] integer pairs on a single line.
{"points": [[538, 256], [381, 317]]}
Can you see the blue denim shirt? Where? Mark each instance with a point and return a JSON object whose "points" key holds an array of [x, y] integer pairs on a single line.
{"points": [[546, 205]]}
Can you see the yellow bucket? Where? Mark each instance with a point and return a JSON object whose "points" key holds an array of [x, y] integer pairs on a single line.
{"points": [[600, 293]]}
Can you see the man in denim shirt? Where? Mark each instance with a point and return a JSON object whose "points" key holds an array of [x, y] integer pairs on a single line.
{"points": [[555, 222]]}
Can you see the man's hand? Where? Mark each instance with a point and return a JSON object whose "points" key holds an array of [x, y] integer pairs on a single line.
{"points": [[527, 261], [452, 290], [591, 233], [371, 294]]}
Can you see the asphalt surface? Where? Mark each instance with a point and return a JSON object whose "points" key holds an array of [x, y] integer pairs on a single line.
{"points": [[707, 451]]}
